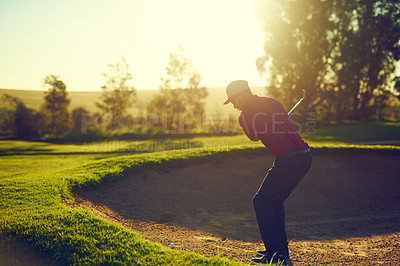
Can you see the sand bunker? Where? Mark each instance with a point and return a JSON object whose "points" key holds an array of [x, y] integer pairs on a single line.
{"points": [[346, 210]]}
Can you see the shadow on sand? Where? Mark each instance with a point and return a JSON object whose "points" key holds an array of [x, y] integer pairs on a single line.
{"points": [[343, 195]]}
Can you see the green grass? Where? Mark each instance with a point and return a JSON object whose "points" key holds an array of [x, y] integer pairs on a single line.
{"points": [[354, 133], [36, 177], [17, 165], [16, 147], [32, 210], [351, 133]]}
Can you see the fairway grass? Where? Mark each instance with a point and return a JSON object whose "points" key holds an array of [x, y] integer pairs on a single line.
{"points": [[37, 177], [356, 133], [367, 133], [31, 210], [114, 147]]}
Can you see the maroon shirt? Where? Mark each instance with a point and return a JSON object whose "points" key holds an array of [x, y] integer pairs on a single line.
{"points": [[265, 119]]}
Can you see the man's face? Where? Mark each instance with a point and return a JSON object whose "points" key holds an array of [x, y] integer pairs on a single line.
{"points": [[238, 102]]}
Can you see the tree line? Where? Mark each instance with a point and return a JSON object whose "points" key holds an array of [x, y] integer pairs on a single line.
{"points": [[343, 53], [180, 95]]}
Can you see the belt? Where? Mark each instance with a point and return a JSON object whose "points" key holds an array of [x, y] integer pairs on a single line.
{"points": [[291, 153]]}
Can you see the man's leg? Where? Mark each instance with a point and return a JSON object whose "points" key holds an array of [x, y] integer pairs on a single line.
{"points": [[279, 182], [268, 226], [266, 206], [279, 214]]}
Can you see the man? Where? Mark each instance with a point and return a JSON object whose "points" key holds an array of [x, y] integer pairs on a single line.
{"points": [[265, 119]]}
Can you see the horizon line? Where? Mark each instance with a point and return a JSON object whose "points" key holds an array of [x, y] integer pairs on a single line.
{"points": [[100, 90]]}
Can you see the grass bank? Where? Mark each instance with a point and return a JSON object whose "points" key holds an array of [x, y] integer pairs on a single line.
{"points": [[32, 210], [36, 177]]}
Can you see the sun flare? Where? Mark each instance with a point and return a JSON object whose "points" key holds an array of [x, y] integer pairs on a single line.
{"points": [[222, 37]]}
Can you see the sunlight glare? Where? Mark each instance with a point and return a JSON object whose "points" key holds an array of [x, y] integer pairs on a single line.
{"points": [[78, 39]]}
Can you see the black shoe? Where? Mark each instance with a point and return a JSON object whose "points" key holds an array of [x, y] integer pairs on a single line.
{"points": [[268, 259], [261, 253]]}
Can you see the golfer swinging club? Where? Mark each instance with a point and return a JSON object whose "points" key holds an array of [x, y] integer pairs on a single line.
{"points": [[265, 119]]}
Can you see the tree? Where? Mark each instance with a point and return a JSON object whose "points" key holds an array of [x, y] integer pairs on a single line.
{"points": [[79, 118], [341, 52], [296, 49], [368, 48], [24, 122], [397, 87], [7, 110], [56, 105], [180, 102], [117, 95]]}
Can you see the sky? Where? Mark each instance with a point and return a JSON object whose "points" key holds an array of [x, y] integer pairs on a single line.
{"points": [[77, 39]]}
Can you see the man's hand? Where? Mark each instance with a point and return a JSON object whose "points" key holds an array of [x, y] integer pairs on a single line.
{"points": [[251, 134]]}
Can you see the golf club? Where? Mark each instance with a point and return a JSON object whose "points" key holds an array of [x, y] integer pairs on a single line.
{"points": [[294, 107]]}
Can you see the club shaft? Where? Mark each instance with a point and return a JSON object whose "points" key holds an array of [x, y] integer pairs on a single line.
{"points": [[294, 107]]}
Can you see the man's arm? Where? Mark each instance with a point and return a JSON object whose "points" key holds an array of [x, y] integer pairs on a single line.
{"points": [[250, 133]]}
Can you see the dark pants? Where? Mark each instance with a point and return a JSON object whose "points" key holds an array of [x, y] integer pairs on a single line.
{"points": [[284, 175]]}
